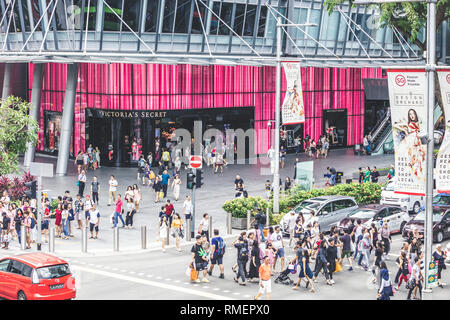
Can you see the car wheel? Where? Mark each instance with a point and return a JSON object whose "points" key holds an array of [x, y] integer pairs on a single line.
{"points": [[416, 207], [21, 295], [402, 226], [440, 237]]}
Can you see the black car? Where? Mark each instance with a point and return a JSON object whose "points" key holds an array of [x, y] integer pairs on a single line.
{"points": [[441, 225]]}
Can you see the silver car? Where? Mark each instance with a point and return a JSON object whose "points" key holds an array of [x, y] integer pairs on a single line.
{"points": [[329, 210]]}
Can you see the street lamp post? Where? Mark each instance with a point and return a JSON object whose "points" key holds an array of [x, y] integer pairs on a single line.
{"points": [[430, 69], [276, 175]]}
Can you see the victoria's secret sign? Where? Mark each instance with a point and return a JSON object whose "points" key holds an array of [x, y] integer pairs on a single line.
{"points": [[128, 114]]}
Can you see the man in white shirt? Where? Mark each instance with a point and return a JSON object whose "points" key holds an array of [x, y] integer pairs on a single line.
{"points": [[5, 200], [292, 219], [94, 221], [112, 189], [271, 156], [187, 208], [277, 243], [88, 204]]}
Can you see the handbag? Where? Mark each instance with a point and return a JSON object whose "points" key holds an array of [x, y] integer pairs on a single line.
{"points": [[338, 267], [194, 274], [181, 234], [161, 194]]}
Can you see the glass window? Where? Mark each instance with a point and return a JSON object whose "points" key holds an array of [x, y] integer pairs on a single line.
{"points": [[383, 213], [35, 14], [151, 16], [183, 16], [395, 210], [16, 267], [26, 17], [326, 209], [169, 15], [239, 18], [226, 13], [131, 10], [314, 16], [74, 10], [52, 272], [61, 16], [214, 20], [52, 129], [112, 13], [26, 271], [4, 265], [196, 23], [262, 22], [250, 18]]}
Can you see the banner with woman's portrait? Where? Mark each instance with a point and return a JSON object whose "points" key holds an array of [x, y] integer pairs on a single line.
{"points": [[293, 109], [407, 97], [443, 158]]}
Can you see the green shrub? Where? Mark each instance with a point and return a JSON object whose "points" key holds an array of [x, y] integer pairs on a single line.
{"points": [[362, 193]]}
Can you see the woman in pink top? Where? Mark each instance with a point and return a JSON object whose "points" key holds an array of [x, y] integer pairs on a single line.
{"points": [[58, 220]]}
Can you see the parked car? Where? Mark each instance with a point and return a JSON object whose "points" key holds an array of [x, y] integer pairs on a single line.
{"points": [[441, 225], [394, 216], [329, 210], [409, 203], [441, 201], [36, 276]]}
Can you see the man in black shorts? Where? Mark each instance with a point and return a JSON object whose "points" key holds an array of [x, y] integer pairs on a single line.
{"points": [[199, 257], [94, 221], [217, 252]]}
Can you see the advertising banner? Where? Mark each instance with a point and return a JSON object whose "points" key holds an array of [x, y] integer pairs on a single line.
{"points": [[407, 97], [293, 109], [443, 158]]}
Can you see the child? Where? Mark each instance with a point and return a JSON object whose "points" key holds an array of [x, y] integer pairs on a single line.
{"points": [[268, 186]]}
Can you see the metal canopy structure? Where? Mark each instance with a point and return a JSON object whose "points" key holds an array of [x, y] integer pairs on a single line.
{"points": [[58, 35]]}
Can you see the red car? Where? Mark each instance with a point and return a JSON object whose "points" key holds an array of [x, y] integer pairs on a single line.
{"points": [[36, 276]]}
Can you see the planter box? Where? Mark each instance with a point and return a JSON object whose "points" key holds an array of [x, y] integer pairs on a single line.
{"points": [[239, 223]]}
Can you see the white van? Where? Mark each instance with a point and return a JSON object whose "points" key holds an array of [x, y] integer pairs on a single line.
{"points": [[408, 203]]}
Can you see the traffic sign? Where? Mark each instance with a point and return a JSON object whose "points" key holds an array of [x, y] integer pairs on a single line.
{"points": [[195, 162]]}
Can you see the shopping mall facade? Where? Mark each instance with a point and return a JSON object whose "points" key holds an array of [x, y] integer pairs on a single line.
{"points": [[107, 72]]}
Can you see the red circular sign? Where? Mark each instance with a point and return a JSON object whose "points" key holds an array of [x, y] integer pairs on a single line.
{"points": [[400, 80], [195, 162], [448, 78]]}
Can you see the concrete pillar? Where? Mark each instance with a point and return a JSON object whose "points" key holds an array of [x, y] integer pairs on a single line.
{"points": [[7, 81], [67, 120], [36, 93]]}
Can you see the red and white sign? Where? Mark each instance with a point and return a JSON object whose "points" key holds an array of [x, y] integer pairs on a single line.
{"points": [[195, 162], [407, 97], [443, 157]]}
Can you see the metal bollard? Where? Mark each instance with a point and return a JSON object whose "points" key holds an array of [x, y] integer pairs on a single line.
{"points": [[168, 235], [84, 239], [116, 238], [210, 228], [267, 217], [248, 219], [229, 226], [51, 239], [188, 230], [144, 237], [23, 238]]}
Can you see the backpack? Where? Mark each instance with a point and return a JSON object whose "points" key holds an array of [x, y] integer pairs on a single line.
{"points": [[220, 250], [243, 253], [262, 218], [262, 254], [165, 156], [33, 223]]}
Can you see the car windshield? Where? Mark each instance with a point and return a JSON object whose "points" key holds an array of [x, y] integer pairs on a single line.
{"points": [[437, 216], [389, 186], [363, 214], [306, 205], [440, 199], [52, 272]]}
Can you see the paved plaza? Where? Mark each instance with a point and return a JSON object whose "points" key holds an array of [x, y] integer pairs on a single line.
{"points": [[217, 189]]}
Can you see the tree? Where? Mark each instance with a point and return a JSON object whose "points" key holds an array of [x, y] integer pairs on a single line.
{"points": [[17, 129], [409, 18]]}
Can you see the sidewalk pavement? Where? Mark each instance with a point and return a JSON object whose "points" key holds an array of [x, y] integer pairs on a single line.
{"points": [[217, 189]]}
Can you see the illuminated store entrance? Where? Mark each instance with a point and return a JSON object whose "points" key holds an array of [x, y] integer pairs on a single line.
{"points": [[122, 136]]}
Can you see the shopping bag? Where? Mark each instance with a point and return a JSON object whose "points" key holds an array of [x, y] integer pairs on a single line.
{"points": [[161, 194], [194, 274], [338, 267], [188, 271]]}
